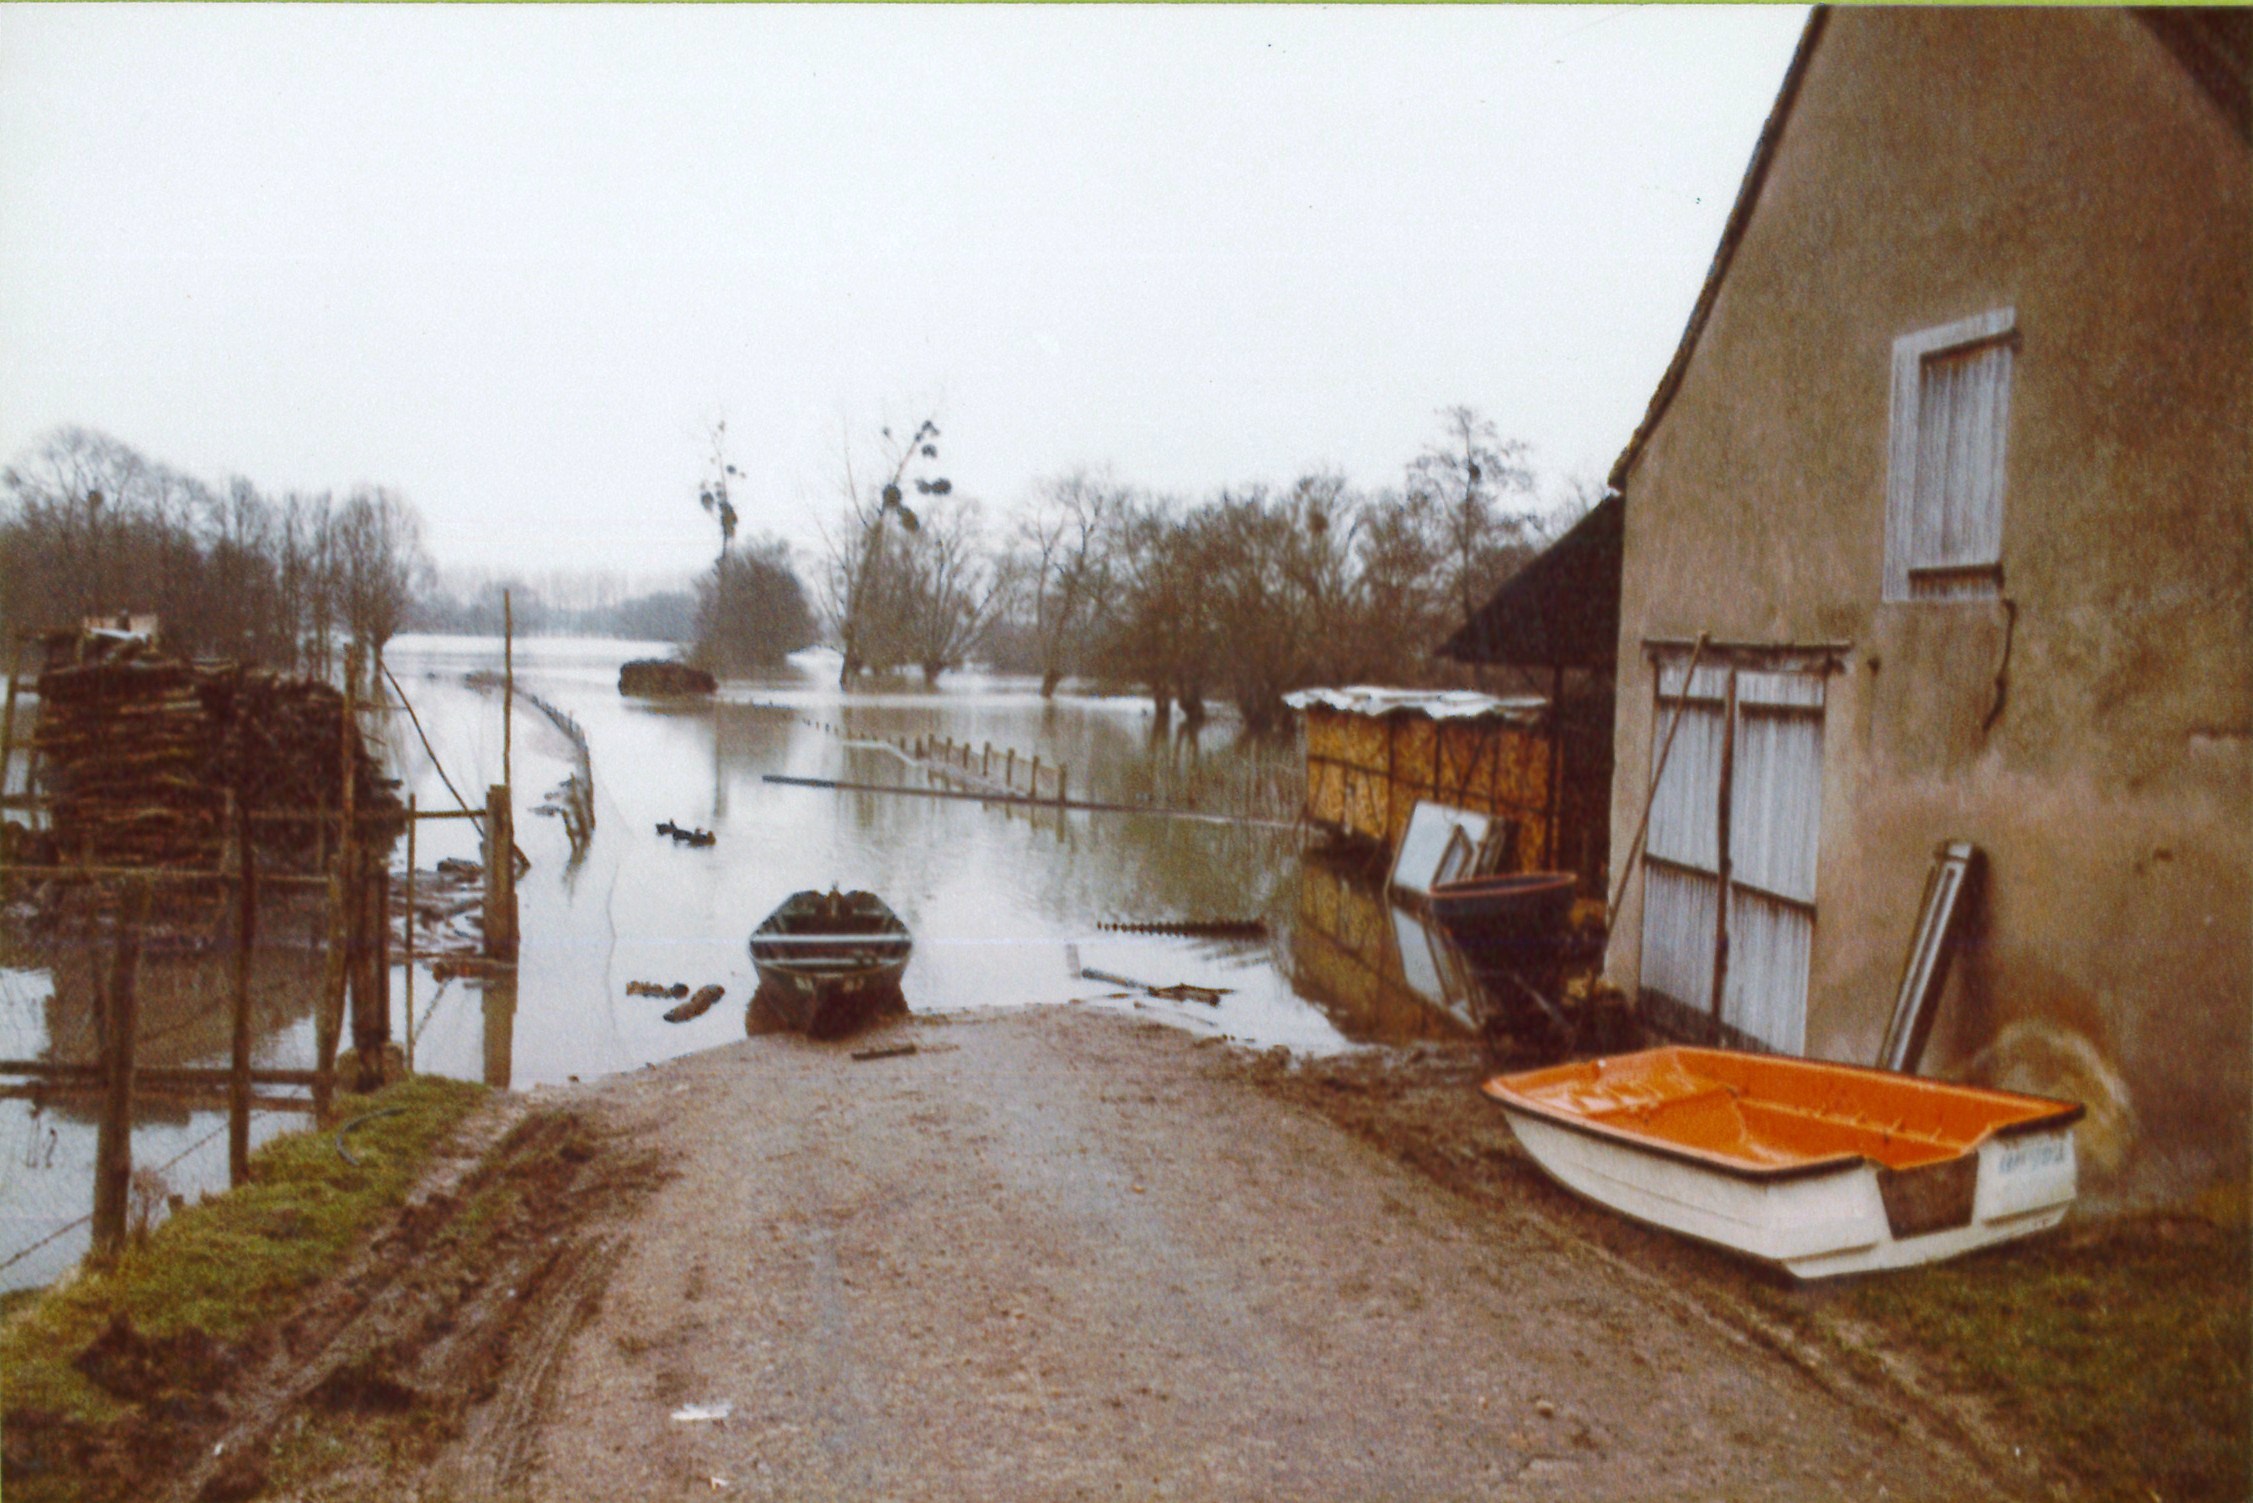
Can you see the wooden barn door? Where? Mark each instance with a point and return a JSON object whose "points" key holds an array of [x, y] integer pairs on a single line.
{"points": [[1729, 869]]}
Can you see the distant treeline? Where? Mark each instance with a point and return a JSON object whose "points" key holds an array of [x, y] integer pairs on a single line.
{"points": [[91, 527], [1238, 597], [558, 603]]}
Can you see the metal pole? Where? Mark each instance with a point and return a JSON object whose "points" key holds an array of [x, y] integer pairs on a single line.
{"points": [[410, 955], [113, 1154], [1551, 857], [246, 938], [508, 687], [1726, 872], [8, 721]]}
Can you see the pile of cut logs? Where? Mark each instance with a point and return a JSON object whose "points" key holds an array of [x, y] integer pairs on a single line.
{"points": [[138, 754]]}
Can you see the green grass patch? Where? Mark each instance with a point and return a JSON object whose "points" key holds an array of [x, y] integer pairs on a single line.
{"points": [[236, 1262], [2122, 1347]]}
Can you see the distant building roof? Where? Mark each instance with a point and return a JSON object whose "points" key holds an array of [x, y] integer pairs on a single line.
{"points": [[1438, 704], [1559, 611]]}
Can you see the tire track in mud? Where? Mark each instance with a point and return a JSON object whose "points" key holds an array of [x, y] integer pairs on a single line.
{"points": [[442, 1336]]}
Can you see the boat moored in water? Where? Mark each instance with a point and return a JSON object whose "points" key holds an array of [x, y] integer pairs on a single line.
{"points": [[828, 962], [1821, 1168]]}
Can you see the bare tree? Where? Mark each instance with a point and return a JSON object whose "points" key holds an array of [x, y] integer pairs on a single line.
{"points": [[1062, 565], [1466, 475], [866, 553], [712, 495], [952, 588], [383, 567]]}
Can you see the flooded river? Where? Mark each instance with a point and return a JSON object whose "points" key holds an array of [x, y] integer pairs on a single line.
{"points": [[1007, 904]]}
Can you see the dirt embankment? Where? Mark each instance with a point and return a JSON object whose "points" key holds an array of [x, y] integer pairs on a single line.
{"points": [[422, 1354]]}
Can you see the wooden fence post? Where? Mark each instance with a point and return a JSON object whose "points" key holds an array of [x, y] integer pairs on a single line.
{"points": [[1063, 780], [1009, 770], [371, 970], [500, 876], [246, 939], [113, 1151]]}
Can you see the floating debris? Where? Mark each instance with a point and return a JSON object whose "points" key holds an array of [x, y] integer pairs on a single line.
{"points": [[686, 836], [889, 1051], [1194, 928], [1180, 991], [689, 1414], [656, 676], [696, 1006], [656, 989]]}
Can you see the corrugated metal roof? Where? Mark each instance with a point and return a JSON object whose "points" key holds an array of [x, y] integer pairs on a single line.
{"points": [[1439, 704]]}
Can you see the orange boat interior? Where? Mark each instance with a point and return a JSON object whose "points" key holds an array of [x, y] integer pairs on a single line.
{"points": [[1769, 1113]]}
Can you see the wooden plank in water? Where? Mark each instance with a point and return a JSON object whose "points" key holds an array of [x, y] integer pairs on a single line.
{"points": [[1089, 806]]}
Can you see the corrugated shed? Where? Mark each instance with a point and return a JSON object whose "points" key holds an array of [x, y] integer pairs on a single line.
{"points": [[1373, 754]]}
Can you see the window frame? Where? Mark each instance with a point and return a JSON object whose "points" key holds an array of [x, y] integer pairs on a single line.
{"points": [[1997, 326]]}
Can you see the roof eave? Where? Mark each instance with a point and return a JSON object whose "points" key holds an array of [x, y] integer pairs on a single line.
{"points": [[1740, 216]]}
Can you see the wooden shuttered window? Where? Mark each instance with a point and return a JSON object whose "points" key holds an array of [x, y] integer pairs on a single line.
{"points": [[1944, 491]]}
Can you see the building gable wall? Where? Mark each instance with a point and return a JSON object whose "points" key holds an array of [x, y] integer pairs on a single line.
{"points": [[1939, 164]]}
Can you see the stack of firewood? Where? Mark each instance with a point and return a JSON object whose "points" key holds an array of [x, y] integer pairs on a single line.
{"points": [[139, 753]]}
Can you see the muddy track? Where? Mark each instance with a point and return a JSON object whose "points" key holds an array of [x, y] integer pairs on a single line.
{"points": [[1058, 1254], [436, 1342], [1051, 1253]]}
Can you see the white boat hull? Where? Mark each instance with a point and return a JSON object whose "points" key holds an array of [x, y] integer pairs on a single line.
{"points": [[1819, 1224]]}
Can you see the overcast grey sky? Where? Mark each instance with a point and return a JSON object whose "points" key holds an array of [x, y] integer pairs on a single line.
{"points": [[514, 260]]}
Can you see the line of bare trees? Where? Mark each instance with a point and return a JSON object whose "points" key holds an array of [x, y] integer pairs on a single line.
{"points": [[91, 527], [1239, 597]]}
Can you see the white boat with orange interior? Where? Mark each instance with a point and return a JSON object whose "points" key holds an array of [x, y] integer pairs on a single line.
{"points": [[1821, 1168]]}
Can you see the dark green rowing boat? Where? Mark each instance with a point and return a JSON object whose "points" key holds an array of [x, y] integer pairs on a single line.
{"points": [[830, 961]]}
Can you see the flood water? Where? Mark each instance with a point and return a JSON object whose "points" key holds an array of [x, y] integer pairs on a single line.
{"points": [[1006, 903]]}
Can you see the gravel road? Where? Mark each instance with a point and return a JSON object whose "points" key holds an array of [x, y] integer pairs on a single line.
{"points": [[1057, 1254]]}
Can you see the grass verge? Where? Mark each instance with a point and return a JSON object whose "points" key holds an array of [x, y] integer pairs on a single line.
{"points": [[2121, 1347], [148, 1338]]}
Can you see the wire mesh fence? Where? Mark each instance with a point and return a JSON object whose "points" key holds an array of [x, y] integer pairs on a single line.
{"points": [[58, 973]]}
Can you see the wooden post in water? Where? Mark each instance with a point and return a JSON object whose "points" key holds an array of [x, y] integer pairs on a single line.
{"points": [[1009, 769], [371, 996], [986, 762], [246, 940], [113, 1150], [1032, 784], [500, 876], [1063, 780]]}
